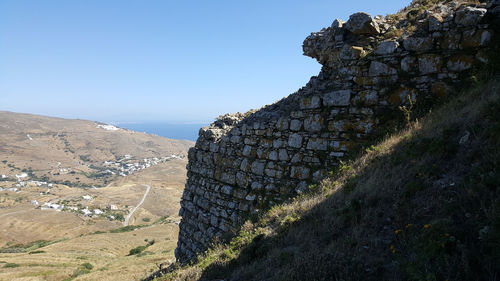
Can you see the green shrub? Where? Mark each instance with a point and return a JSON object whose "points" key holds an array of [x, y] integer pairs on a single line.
{"points": [[87, 266], [127, 228], [137, 250], [79, 271], [36, 252], [144, 253], [21, 248], [83, 269], [118, 216]]}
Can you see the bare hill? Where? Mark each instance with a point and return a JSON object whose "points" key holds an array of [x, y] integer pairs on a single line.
{"points": [[78, 152]]}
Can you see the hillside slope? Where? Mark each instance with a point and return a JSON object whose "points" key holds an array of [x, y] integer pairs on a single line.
{"points": [[423, 204], [74, 151]]}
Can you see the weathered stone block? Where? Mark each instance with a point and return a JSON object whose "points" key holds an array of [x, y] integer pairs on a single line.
{"points": [[301, 187], [231, 205], [241, 179], [297, 157], [243, 207], [248, 150], [418, 44], [460, 62], [214, 221], [319, 175], [258, 167], [362, 23], [277, 143], [336, 126], [337, 98], [245, 166], [295, 125], [256, 185], [364, 80], [350, 70], [282, 124], [295, 140], [223, 226], [451, 41], [469, 16], [351, 52], [365, 98], [313, 123], [226, 189], [235, 139], [273, 155], [317, 144], [387, 47], [250, 141], [435, 22], [270, 187], [283, 155], [267, 143], [240, 193], [250, 197], [385, 80], [214, 147], [401, 95], [380, 69], [203, 203], [474, 39], [429, 63], [336, 154], [228, 178], [337, 23], [310, 102], [299, 172], [408, 64], [364, 127]]}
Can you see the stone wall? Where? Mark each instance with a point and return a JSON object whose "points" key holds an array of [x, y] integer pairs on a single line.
{"points": [[243, 163]]}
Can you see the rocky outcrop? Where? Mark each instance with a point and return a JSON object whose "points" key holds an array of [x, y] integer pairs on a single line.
{"points": [[243, 163], [362, 23]]}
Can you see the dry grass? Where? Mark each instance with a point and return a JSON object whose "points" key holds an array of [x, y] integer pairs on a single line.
{"points": [[107, 253], [21, 222], [411, 19], [408, 208]]}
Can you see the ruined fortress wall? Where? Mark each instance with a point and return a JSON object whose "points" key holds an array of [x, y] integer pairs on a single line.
{"points": [[243, 163]]}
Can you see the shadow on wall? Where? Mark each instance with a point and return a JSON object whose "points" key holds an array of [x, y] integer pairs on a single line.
{"points": [[402, 215], [243, 164]]}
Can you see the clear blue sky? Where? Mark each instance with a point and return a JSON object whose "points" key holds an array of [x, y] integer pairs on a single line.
{"points": [[177, 61]]}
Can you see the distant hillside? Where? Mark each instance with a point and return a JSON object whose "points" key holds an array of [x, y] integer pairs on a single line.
{"points": [[77, 152], [55, 226]]}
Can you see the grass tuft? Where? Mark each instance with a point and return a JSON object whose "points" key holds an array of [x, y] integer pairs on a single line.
{"points": [[11, 265]]}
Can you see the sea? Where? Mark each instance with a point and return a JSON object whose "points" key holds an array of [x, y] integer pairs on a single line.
{"points": [[168, 130]]}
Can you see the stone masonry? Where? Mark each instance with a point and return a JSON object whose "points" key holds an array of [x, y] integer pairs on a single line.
{"points": [[245, 162]]}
